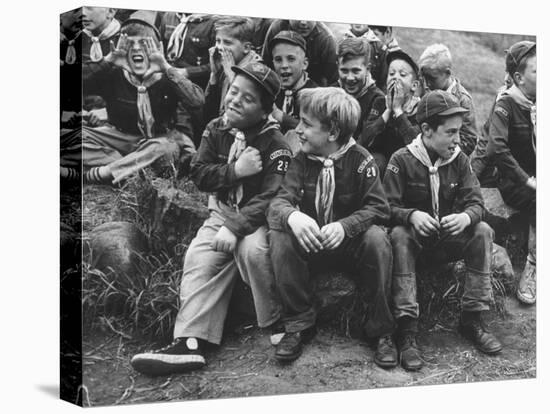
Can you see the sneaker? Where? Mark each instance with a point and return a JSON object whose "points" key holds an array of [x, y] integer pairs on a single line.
{"points": [[386, 352], [409, 353], [290, 346], [181, 355], [527, 287], [483, 339], [277, 333]]}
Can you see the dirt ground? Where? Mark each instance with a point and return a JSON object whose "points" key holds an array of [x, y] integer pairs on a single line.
{"points": [[244, 365]]}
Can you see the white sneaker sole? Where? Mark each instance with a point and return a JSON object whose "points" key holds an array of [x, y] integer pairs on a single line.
{"points": [[163, 364]]}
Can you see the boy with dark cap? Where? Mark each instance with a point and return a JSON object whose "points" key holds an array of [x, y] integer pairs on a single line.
{"points": [[187, 39], [233, 47], [397, 125], [149, 104], [242, 159], [512, 146], [435, 65], [436, 210], [356, 79], [320, 48], [288, 49], [329, 207]]}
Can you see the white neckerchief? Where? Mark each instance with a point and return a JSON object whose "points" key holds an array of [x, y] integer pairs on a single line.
{"points": [[96, 53], [326, 185], [146, 120], [70, 54], [288, 103], [419, 151], [177, 39]]}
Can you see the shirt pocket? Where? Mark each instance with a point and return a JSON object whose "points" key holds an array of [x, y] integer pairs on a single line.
{"points": [[448, 191], [417, 192]]}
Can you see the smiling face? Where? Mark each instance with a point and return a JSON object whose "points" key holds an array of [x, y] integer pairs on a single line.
{"points": [[402, 72], [137, 58], [95, 19], [353, 74], [225, 40], [445, 138], [243, 105], [303, 27], [289, 62], [315, 138]]}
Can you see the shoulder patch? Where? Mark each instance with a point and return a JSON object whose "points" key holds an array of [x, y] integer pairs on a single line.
{"points": [[280, 153], [393, 168], [501, 111], [362, 166]]}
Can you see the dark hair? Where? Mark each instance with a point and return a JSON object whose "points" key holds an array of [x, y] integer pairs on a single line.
{"points": [[354, 47], [242, 28], [523, 62], [382, 29], [435, 121]]}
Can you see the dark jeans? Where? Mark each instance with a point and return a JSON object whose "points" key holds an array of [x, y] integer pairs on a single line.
{"points": [[369, 254], [474, 245]]}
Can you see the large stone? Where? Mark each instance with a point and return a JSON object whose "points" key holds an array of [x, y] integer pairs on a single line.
{"points": [[117, 246]]}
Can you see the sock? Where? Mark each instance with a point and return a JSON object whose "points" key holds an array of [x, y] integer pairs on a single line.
{"points": [[97, 175], [71, 174]]}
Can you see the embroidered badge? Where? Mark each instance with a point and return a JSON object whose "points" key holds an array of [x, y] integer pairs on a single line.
{"points": [[393, 168], [280, 153], [258, 67], [501, 111]]}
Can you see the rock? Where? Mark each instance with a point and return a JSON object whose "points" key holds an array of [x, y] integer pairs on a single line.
{"points": [[116, 245]]}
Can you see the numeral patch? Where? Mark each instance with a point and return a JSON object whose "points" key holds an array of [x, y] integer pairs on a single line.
{"points": [[282, 166], [371, 172]]}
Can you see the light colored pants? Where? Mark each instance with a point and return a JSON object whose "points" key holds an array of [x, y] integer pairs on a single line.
{"points": [[209, 277], [124, 153]]}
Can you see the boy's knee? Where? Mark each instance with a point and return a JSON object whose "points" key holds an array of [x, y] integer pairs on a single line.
{"points": [[376, 237], [483, 231], [401, 237]]}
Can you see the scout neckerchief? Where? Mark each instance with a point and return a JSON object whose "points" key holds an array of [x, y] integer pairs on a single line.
{"points": [[526, 104], [324, 190], [96, 53], [70, 55], [392, 46], [177, 39], [248, 58], [418, 150], [370, 81], [288, 103], [235, 195], [145, 112]]}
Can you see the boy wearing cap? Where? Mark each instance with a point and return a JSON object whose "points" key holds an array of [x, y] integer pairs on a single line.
{"points": [[233, 47], [242, 159], [435, 65], [389, 44], [320, 48], [397, 125], [288, 49], [356, 79], [436, 210], [512, 146], [149, 105], [329, 208]]}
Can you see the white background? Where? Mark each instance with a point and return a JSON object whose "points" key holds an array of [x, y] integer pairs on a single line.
{"points": [[29, 289]]}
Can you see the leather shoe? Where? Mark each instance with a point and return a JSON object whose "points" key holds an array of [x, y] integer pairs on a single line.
{"points": [[386, 352], [476, 331], [409, 354], [290, 347]]}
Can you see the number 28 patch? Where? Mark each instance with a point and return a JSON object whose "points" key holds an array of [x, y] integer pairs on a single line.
{"points": [[282, 160]]}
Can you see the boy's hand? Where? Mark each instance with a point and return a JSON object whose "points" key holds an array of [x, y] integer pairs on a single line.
{"points": [[118, 56], [215, 62], [157, 61], [224, 241], [306, 231], [333, 235], [398, 99], [277, 114], [532, 183], [423, 223], [455, 223], [227, 60], [249, 163]]}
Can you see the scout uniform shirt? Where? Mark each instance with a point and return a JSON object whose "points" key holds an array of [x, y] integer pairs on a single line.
{"points": [[211, 172], [407, 185], [468, 131], [291, 120], [359, 199]]}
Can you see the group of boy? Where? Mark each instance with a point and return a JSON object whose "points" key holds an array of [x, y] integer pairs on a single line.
{"points": [[301, 174]]}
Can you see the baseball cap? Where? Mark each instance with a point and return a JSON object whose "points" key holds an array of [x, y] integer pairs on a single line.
{"points": [[400, 54], [516, 53], [437, 102], [288, 36], [146, 18], [262, 75]]}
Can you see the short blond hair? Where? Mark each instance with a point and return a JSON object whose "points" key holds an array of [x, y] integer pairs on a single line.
{"points": [[334, 108], [436, 57]]}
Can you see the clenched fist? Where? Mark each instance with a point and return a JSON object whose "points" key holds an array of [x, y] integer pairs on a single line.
{"points": [[249, 163]]}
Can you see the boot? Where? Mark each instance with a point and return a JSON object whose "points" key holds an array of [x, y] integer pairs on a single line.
{"points": [[474, 328], [410, 357], [527, 286]]}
